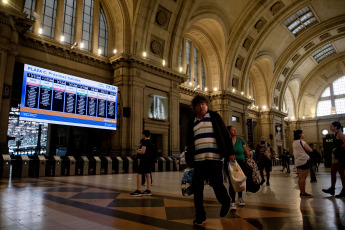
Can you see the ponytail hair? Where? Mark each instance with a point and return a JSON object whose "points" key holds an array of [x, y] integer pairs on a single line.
{"points": [[338, 125], [297, 134]]}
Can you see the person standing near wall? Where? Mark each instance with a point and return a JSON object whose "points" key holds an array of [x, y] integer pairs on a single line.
{"points": [[208, 142], [338, 160], [262, 157]]}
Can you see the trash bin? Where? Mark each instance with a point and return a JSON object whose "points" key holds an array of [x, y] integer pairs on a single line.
{"points": [[82, 166], [5, 165], [68, 165], [20, 167], [53, 167], [106, 165], [94, 165], [37, 166], [118, 164], [161, 164]]}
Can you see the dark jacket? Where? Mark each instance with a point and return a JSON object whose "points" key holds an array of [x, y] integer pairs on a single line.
{"points": [[221, 134]]}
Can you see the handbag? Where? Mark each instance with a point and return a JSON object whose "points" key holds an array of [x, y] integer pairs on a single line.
{"points": [[237, 177], [186, 182]]}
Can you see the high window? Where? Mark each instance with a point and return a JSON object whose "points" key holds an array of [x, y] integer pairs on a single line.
{"points": [[66, 28], [68, 21], [103, 34], [300, 20], [86, 29], [324, 52], [195, 66], [48, 18], [332, 100]]}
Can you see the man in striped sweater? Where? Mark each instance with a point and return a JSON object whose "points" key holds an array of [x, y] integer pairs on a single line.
{"points": [[208, 143]]}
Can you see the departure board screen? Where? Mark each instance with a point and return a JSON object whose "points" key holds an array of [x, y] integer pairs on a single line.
{"points": [[52, 97]]}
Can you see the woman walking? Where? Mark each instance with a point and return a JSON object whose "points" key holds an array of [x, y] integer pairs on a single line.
{"points": [[338, 160], [241, 154], [300, 148]]}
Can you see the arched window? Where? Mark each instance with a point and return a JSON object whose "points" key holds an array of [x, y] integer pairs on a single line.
{"points": [[48, 18], [332, 100], [194, 63], [68, 23], [103, 34], [196, 75], [188, 57]]}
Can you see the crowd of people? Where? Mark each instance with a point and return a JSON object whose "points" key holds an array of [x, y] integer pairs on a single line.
{"points": [[211, 146]]}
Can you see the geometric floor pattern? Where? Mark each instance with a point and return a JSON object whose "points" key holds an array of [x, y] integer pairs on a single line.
{"points": [[103, 202]]}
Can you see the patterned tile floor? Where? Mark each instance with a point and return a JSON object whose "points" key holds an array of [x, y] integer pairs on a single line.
{"points": [[103, 202]]}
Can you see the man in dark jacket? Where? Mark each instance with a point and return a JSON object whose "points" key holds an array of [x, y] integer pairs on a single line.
{"points": [[208, 143]]}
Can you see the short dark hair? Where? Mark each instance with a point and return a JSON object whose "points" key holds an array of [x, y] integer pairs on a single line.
{"points": [[297, 134], [338, 125], [199, 99], [146, 133]]}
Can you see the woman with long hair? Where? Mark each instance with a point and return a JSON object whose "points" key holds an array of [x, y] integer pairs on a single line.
{"points": [[241, 154], [300, 149], [338, 160]]}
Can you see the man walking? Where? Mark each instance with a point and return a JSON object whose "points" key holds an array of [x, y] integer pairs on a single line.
{"points": [[208, 142]]}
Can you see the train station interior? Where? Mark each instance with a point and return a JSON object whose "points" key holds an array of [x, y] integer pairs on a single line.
{"points": [[81, 79]]}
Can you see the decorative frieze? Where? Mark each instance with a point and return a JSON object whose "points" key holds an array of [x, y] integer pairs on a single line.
{"points": [[248, 42], [276, 7], [157, 46], [324, 36], [308, 46], [260, 24]]}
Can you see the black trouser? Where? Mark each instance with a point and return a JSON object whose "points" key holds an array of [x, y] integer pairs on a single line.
{"points": [[212, 170]]}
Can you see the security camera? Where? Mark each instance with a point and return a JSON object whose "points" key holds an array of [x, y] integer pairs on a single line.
{"points": [[35, 15]]}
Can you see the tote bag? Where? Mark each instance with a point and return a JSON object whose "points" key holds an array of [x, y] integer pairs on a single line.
{"points": [[237, 177]]}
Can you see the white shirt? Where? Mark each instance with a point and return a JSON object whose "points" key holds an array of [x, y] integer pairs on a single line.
{"points": [[301, 157]]}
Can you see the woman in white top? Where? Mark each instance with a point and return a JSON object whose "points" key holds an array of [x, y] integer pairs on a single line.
{"points": [[300, 148]]}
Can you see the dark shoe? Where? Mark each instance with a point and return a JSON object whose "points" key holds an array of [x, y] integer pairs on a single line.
{"points": [[199, 221], [268, 183], [341, 194], [329, 190], [305, 195], [224, 210], [262, 181], [313, 181], [136, 193], [147, 193]]}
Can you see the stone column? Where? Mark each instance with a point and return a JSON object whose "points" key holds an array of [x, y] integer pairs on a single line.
{"points": [[174, 115], [38, 10], [78, 22], [95, 27], [59, 21]]}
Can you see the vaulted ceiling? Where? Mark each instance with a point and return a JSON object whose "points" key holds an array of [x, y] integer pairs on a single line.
{"points": [[247, 39]]}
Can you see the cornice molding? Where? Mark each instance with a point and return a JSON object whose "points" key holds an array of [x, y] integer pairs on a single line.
{"points": [[274, 112], [56, 48], [148, 65], [231, 96]]}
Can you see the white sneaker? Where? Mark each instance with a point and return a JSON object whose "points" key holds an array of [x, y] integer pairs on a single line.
{"points": [[232, 207], [241, 201]]}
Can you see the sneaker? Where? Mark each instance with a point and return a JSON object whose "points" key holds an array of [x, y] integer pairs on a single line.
{"points": [[341, 194], [147, 193], [136, 193], [329, 190], [232, 207], [262, 181], [224, 210], [305, 195], [241, 201], [199, 221], [268, 183]]}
